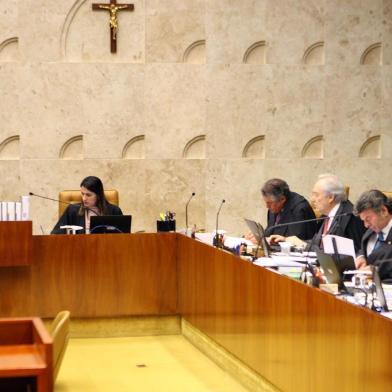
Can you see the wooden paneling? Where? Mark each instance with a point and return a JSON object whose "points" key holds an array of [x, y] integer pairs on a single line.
{"points": [[15, 243], [94, 275], [297, 337], [25, 352]]}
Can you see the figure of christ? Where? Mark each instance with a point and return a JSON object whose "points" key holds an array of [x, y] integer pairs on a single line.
{"points": [[113, 22]]}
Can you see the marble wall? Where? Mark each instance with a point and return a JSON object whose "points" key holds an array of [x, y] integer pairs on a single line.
{"points": [[212, 97]]}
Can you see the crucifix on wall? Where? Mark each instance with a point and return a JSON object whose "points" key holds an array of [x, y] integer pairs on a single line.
{"points": [[113, 8]]}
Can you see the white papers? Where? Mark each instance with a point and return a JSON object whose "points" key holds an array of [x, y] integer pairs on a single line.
{"points": [[15, 211], [358, 272], [18, 211], [233, 242], [296, 256], [230, 242], [207, 238], [344, 246], [4, 215], [10, 210], [305, 254], [25, 207], [277, 262]]}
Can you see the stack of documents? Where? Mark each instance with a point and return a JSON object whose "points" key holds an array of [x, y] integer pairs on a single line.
{"points": [[15, 211]]}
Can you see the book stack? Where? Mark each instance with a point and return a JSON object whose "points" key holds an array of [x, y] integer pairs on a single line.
{"points": [[15, 210]]}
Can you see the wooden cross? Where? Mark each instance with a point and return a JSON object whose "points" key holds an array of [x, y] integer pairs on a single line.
{"points": [[113, 8]]}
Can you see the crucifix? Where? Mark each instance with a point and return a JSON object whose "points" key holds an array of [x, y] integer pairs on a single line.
{"points": [[113, 8]]}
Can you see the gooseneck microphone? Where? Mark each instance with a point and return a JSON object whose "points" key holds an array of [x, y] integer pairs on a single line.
{"points": [[48, 198], [58, 201], [309, 220], [186, 210], [218, 239]]}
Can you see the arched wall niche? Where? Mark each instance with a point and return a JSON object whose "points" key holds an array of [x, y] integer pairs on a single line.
{"points": [[72, 148], [372, 55], [256, 53], [195, 53], [255, 148], [9, 49], [135, 148], [67, 23], [10, 148], [314, 148], [195, 148], [315, 54], [371, 148]]}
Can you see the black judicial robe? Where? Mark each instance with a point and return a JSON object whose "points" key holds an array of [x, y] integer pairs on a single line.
{"points": [[71, 217], [295, 209], [348, 226]]}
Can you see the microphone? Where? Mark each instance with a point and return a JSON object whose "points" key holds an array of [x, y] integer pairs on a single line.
{"points": [[218, 239], [48, 198], [186, 210], [308, 220], [58, 201]]}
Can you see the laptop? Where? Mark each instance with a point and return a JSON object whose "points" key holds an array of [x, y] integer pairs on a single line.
{"points": [[110, 224], [379, 290], [258, 232], [333, 269]]}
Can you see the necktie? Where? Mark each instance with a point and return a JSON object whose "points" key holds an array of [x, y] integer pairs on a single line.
{"points": [[277, 219], [325, 226], [380, 240]]}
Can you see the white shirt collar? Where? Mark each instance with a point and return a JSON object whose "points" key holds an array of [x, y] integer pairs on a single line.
{"points": [[386, 229], [334, 210]]}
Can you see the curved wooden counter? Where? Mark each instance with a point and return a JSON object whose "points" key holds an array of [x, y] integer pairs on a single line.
{"points": [[297, 337]]}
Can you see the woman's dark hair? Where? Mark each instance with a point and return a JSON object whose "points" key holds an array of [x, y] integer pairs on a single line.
{"points": [[275, 188], [94, 184]]}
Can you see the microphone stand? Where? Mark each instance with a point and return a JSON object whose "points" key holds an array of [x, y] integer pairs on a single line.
{"points": [[308, 266], [186, 211], [307, 220], [58, 201], [218, 239]]}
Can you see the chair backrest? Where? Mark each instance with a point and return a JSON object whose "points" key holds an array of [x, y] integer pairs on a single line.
{"points": [[74, 197], [388, 194], [346, 191], [60, 335]]}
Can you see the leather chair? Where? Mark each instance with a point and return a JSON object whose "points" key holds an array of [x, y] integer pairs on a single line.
{"points": [[59, 331], [74, 197], [387, 194]]}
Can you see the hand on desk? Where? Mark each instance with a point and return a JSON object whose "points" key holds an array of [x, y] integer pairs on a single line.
{"points": [[360, 263], [249, 236], [275, 238]]}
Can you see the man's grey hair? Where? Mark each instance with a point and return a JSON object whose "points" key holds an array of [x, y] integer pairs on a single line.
{"points": [[275, 188], [373, 200], [332, 186]]}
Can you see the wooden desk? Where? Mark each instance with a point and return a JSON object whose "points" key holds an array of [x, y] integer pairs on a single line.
{"points": [[94, 276], [25, 354], [297, 337], [15, 243]]}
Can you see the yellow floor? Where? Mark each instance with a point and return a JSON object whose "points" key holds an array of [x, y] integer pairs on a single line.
{"points": [[152, 363]]}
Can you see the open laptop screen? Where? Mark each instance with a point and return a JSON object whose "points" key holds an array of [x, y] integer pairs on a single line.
{"points": [[110, 224], [258, 232], [379, 290]]}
